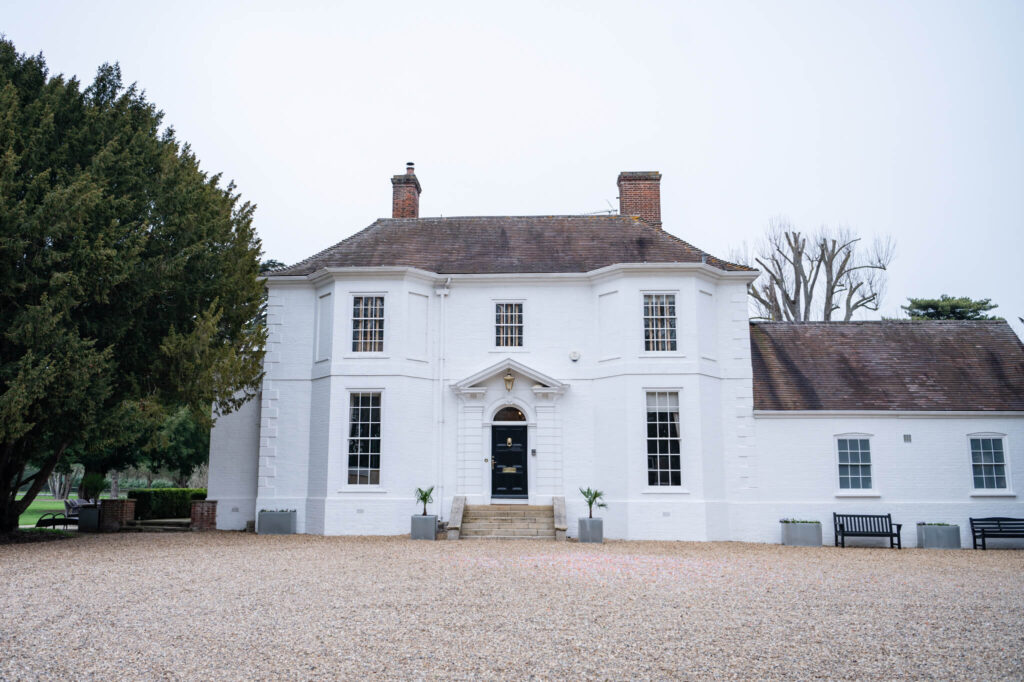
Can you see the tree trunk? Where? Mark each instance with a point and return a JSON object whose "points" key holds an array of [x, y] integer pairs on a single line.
{"points": [[10, 506], [60, 484]]}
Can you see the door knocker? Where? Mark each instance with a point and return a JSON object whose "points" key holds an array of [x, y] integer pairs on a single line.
{"points": [[508, 442]]}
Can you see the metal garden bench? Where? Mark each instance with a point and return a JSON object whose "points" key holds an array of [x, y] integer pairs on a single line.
{"points": [[996, 527], [866, 526], [54, 519], [69, 517]]}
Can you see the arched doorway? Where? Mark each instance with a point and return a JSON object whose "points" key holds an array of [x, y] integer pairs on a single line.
{"points": [[508, 454]]}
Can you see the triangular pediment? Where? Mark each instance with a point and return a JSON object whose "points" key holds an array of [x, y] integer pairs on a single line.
{"points": [[473, 382]]}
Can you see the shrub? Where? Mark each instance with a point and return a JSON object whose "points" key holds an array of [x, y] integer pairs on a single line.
{"points": [[92, 485], [165, 503], [797, 521]]}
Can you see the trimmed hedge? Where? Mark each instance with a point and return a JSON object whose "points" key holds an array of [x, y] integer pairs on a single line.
{"points": [[165, 503]]}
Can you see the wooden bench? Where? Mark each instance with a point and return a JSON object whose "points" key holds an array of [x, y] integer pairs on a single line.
{"points": [[996, 527], [866, 526]]}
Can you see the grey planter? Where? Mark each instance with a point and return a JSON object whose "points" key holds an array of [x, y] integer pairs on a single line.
{"points": [[801, 534], [591, 530], [89, 519], [424, 527], [938, 537], [277, 523]]}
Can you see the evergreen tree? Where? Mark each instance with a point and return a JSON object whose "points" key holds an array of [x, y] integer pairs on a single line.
{"points": [[129, 282], [183, 443], [950, 308]]}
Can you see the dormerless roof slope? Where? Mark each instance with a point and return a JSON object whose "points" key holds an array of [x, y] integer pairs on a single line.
{"points": [[527, 244], [913, 366]]}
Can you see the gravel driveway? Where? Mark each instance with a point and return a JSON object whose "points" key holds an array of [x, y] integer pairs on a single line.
{"points": [[238, 606]]}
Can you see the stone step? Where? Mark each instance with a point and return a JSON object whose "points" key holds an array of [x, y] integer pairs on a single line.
{"points": [[488, 538], [507, 532], [160, 522], [508, 522], [158, 525], [154, 529], [549, 524], [531, 508], [508, 519], [508, 513]]}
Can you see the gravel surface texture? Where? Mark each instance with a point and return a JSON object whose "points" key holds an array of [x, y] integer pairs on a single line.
{"points": [[209, 606]]}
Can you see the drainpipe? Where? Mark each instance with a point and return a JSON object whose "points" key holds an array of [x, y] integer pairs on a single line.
{"points": [[442, 292]]}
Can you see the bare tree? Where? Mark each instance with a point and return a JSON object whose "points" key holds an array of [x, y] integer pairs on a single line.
{"points": [[827, 275], [63, 479]]}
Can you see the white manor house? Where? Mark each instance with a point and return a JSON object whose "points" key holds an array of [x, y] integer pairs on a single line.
{"points": [[513, 360]]}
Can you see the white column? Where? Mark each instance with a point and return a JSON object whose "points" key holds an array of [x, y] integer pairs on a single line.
{"points": [[468, 467], [549, 461]]}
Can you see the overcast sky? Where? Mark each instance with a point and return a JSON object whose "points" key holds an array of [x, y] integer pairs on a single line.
{"points": [[890, 118]]}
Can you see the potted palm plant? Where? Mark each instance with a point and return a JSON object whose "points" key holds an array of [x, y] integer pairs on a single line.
{"points": [[591, 529], [424, 526]]}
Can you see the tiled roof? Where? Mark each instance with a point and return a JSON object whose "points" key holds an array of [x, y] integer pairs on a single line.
{"points": [[938, 365], [529, 244]]}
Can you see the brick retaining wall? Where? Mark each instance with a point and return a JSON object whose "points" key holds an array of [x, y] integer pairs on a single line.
{"points": [[115, 514], [204, 515]]}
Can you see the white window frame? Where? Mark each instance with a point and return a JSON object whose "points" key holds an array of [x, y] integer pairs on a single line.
{"points": [[363, 487], [643, 318], [494, 319], [855, 492], [670, 488], [991, 492], [352, 325]]}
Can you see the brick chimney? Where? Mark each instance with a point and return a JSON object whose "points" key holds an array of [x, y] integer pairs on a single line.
{"points": [[640, 195], [405, 202]]}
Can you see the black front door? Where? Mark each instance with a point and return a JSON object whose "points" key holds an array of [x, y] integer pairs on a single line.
{"points": [[508, 461]]}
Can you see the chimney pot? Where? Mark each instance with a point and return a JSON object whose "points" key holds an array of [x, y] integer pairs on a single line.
{"points": [[640, 196], [406, 190]]}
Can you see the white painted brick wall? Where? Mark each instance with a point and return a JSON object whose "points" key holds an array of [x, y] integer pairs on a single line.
{"points": [[740, 472]]}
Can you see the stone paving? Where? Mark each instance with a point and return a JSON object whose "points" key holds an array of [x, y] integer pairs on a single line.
{"points": [[236, 606]]}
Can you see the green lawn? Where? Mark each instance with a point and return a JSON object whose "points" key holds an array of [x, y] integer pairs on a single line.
{"points": [[40, 506]]}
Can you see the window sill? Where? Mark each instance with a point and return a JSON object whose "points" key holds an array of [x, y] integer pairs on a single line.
{"points": [[510, 349], [356, 489], [662, 354], [993, 493], [665, 490], [858, 493], [366, 356]]}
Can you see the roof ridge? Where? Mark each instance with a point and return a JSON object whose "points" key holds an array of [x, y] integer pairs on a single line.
{"points": [[329, 248], [524, 215], [703, 252], [510, 244]]}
